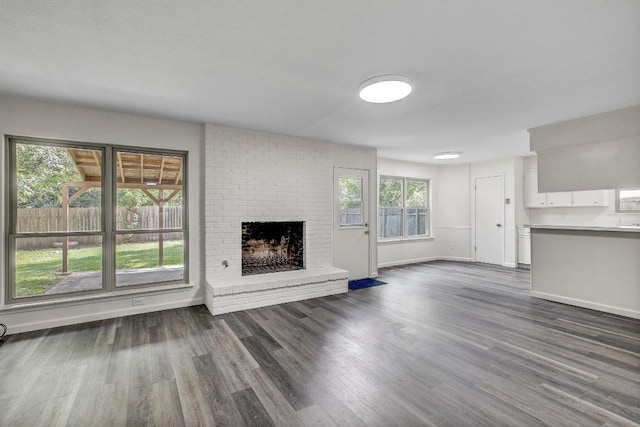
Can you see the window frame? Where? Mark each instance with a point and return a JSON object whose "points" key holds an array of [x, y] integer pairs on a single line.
{"points": [[405, 223], [108, 218], [623, 211]]}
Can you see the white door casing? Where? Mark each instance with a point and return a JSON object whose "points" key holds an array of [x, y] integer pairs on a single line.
{"points": [[489, 220], [351, 221]]}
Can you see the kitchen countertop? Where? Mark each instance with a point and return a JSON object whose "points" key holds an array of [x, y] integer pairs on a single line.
{"points": [[615, 228]]}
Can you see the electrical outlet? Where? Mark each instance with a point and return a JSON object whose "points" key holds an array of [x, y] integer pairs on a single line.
{"points": [[137, 301]]}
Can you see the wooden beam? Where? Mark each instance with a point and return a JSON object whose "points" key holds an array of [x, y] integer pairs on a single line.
{"points": [[65, 227], [161, 226], [121, 168], [161, 170], [151, 196], [179, 173], [127, 185], [83, 189], [141, 168], [96, 158], [171, 196], [72, 154]]}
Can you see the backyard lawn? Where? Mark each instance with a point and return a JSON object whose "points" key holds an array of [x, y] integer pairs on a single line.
{"points": [[37, 271]]}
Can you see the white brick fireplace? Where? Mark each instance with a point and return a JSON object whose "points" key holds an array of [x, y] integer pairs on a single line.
{"points": [[258, 177]]}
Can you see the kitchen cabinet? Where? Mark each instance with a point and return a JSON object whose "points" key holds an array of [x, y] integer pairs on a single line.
{"points": [[591, 198], [563, 199], [533, 199]]}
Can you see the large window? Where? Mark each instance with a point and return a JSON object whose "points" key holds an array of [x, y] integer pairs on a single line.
{"points": [[628, 200], [403, 208], [87, 218]]}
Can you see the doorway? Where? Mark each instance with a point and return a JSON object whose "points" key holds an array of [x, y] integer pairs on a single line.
{"points": [[351, 221], [489, 220]]}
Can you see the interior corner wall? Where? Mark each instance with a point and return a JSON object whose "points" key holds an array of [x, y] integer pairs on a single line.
{"points": [[24, 117], [413, 250], [453, 229]]}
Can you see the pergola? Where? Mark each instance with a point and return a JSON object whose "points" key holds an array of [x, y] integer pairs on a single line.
{"points": [[134, 171]]}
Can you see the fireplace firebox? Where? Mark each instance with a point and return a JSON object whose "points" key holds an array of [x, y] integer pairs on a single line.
{"points": [[269, 247]]}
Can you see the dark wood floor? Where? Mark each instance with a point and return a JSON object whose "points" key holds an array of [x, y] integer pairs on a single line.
{"points": [[441, 344]]}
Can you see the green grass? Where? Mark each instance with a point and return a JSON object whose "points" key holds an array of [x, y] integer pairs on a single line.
{"points": [[39, 270]]}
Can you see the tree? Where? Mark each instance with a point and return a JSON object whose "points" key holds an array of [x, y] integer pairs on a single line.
{"points": [[390, 192], [416, 192], [41, 171]]}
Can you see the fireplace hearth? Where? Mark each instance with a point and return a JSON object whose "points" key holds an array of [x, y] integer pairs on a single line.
{"points": [[269, 247]]}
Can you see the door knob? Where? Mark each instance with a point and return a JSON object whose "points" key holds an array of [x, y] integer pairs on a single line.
{"points": [[366, 231], [498, 225]]}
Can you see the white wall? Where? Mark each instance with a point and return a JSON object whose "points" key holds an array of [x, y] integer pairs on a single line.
{"points": [[48, 120], [414, 250], [452, 205], [253, 176], [256, 176], [590, 215]]}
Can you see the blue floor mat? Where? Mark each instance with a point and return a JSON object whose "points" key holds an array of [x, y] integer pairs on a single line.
{"points": [[364, 283]]}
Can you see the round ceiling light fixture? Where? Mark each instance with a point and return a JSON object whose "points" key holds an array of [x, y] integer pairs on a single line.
{"points": [[384, 89], [447, 155]]}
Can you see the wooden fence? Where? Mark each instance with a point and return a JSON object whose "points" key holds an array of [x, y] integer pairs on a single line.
{"points": [[390, 222], [88, 219]]}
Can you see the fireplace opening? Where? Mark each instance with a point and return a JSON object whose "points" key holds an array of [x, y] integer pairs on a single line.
{"points": [[269, 247]]}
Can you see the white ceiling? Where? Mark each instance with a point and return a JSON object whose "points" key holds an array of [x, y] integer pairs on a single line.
{"points": [[484, 71]]}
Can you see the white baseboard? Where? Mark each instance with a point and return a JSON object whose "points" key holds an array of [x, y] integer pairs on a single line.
{"points": [[427, 259], [587, 304], [455, 258], [509, 264], [407, 261], [92, 317]]}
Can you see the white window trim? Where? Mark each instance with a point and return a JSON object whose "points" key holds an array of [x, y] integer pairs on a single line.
{"points": [[108, 232], [405, 237]]}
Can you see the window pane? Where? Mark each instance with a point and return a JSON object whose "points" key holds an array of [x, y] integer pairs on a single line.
{"points": [[53, 181], [417, 220], [40, 269], [149, 258], [416, 194], [629, 200], [351, 205], [390, 192], [149, 191], [390, 222]]}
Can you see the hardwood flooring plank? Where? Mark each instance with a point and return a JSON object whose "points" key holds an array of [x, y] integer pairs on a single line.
{"points": [[252, 411], [278, 375], [441, 344]]}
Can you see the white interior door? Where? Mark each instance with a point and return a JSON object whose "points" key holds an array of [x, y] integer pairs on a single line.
{"points": [[351, 221], [489, 221]]}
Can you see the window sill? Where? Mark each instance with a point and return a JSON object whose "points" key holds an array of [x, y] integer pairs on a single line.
{"points": [[93, 298], [405, 239]]}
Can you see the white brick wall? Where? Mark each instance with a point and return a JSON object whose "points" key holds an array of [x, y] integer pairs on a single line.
{"points": [[254, 176]]}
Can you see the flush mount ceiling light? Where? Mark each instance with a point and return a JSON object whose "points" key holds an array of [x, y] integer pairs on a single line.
{"points": [[447, 155], [384, 89]]}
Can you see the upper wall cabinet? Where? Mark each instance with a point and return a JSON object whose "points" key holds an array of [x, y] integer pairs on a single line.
{"points": [[561, 199], [591, 198], [533, 199], [591, 153], [565, 199]]}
